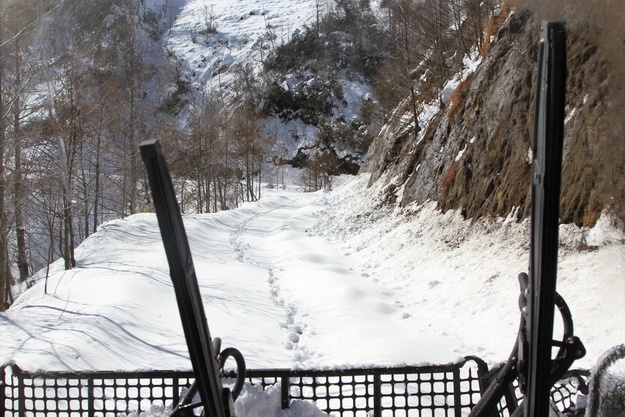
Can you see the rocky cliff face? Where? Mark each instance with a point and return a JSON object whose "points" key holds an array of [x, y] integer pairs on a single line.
{"points": [[474, 154]]}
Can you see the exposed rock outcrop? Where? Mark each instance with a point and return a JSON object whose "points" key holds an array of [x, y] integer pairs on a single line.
{"points": [[474, 153]]}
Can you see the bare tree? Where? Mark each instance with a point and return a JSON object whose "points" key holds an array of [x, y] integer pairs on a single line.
{"points": [[6, 279], [201, 153], [20, 110]]}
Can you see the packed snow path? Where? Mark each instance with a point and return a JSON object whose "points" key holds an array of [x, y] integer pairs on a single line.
{"points": [[284, 297], [326, 279], [332, 314]]}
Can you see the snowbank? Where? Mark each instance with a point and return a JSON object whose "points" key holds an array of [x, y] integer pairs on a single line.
{"points": [[312, 280]]}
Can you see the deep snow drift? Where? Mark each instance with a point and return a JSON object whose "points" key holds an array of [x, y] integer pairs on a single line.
{"points": [[325, 279]]}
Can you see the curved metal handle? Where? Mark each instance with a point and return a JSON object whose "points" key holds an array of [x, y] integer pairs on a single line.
{"points": [[570, 348], [240, 369]]}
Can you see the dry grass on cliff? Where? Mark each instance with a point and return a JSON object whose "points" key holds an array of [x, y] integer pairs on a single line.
{"points": [[494, 23]]}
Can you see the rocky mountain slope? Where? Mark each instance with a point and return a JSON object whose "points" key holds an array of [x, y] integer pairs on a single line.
{"points": [[473, 154]]}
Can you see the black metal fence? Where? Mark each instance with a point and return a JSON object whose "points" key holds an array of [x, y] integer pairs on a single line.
{"points": [[445, 390], [87, 393]]}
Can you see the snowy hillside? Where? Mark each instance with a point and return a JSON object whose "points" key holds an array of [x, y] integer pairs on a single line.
{"points": [[309, 280], [210, 36], [215, 41]]}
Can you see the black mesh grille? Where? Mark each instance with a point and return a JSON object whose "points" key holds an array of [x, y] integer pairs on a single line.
{"points": [[446, 390]]}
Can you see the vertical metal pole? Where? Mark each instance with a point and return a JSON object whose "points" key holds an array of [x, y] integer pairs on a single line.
{"points": [[21, 399], [3, 410], [215, 399], [457, 395], [377, 395], [285, 386], [90, 396], [547, 167], [176, 392]]}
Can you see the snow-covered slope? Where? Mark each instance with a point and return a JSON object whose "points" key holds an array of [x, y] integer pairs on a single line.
{"points": [[214, 40], [309, 280], [242, 32]]}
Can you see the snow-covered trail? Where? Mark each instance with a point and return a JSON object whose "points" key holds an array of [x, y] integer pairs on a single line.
{"points": [[459, 277], [271, 288], [335, 316], [325, 279]]}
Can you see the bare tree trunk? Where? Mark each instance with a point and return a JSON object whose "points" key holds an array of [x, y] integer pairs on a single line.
{"points": [[259, 176], [408, 64], [200, 173], [6, 280], [216, 198], [85, 194], [68, 229], [208, 170], [248, 178], [131, 150], [135, 69], [67, 167], [457, 15], [18, 185], [20, 229], [67, 221], [96, 197], [475, 16]]}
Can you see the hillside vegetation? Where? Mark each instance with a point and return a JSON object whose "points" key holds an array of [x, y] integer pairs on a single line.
{"points": [[474, 153]]}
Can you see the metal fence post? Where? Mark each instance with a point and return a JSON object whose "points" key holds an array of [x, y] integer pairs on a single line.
{"points": [[21, 398], [377, 395], [90, 398], [175, 392], [457, 393], [285, 388], [3, 410]]}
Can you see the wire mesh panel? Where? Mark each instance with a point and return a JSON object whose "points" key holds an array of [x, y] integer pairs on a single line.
{"points": [[88, 394], [346, 395], [433, 391], [564, 393], [510, 401], [411, 391], [424, 394], [51, 395], [447, 390]]}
